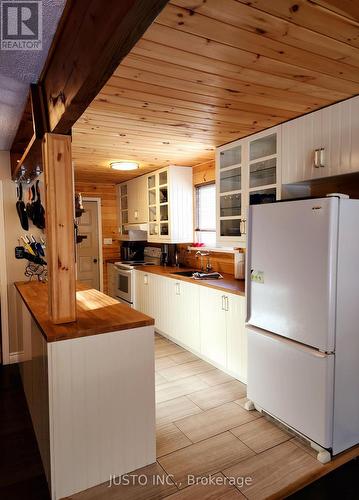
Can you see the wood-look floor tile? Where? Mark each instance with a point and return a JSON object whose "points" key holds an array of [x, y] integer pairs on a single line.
{"points": [[214, 421], [205, 458], [152, 490], [159, 379], [276, 472], [184, 357], [182, 387], [174, 409], [215, 377], [260, 434], [221, 490], [217, 395], [167, 349], [169, 438], [185, 370], [164, 362], [162, 343]]}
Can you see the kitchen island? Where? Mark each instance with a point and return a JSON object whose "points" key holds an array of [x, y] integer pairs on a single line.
{"points": [[89, 387]]}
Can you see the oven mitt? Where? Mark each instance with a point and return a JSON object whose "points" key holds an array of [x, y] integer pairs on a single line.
{"points": [[21, 210]]}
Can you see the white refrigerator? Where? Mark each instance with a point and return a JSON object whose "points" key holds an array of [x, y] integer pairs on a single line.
{"points": [[303, 318]]}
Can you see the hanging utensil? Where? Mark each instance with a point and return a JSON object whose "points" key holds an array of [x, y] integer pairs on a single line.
{"points": [[38, 246], [30, 203], [21, 209], [38, 209], [27, 246]]}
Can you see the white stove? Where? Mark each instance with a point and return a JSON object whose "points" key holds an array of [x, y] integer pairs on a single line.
{"points": [[125, 276]]}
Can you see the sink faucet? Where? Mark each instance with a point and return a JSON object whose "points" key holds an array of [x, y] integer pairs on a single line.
{"points": [[205, 254]]}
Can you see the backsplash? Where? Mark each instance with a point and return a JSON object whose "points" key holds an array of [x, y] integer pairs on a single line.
{"points": [[221, 262]]}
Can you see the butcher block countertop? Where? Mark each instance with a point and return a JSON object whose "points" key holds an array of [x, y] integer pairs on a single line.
{"points": [[96, 313], [228, 284]]}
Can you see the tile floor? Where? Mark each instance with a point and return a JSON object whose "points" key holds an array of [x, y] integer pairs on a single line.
{"points": [[203, 430]]}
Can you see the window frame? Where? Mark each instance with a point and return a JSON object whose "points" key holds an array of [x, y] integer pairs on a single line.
{"points": [[197, 229]]}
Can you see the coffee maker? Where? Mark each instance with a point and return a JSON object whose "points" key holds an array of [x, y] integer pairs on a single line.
{"points": [[169, 255], [132, 251]]}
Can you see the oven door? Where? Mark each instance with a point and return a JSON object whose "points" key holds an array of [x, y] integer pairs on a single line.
{"points": [[124, 285]]}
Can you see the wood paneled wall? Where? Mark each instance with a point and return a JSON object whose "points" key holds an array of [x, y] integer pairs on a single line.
{"points": [[204, 173], [108, 195]]}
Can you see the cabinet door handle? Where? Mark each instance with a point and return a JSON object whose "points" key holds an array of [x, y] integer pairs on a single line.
{"points": [[178, 289], [316, 158], [321, 157], [223, 303], [145, 279], [244, 226], [226, 302]]}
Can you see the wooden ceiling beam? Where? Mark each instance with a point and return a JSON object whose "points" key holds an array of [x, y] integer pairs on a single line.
{"points": [[26, 147], [94, 39]]}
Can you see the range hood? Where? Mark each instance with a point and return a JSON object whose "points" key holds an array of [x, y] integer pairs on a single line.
{"points": [[136, 227], [136, 232]]}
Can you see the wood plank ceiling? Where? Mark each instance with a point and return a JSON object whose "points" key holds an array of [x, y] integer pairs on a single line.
{"points": [[210, 71]]}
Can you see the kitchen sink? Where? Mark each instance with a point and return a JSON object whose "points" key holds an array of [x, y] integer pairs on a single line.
{"points": [[188, 274]]}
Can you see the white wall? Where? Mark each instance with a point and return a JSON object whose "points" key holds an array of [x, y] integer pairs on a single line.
{"points": [[14, 268]]}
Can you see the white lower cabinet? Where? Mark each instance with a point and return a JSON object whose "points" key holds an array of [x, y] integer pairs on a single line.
{"points": [[204, 320], [184, 313], [236, 336], [213, 325]]}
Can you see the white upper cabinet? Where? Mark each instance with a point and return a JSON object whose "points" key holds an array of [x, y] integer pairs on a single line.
{"points": [[170, 205], [231, 182], [247, 172], [321, 144], [137, 206], [132, 198]]}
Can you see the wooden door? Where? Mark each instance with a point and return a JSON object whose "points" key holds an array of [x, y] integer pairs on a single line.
{"points": [[88, 268], [213, 325]]}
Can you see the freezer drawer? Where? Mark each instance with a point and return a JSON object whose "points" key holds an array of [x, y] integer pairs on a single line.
{"points": [[293, 383]]}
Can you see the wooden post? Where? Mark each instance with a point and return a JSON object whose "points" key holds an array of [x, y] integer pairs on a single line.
{"points": [[59, 191]]}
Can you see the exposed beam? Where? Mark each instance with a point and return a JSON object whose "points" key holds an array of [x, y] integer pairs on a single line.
{"points": [[26, 148], [93, 40]]}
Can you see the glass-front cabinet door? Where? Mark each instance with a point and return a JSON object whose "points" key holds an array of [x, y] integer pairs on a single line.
{"points": [[231, 179], [247, 173], [123, 210], [152, 191], [158, 205], [263, 164]]}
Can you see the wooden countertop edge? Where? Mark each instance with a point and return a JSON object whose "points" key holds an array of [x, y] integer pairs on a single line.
{"points": [[82, 332], [225, 287], [300, 483]]}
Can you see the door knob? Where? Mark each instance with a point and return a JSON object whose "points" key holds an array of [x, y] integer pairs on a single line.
{"points": [[95, 261]]}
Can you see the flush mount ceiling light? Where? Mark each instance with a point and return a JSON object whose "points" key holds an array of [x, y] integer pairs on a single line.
{"points": [[124, 165]]}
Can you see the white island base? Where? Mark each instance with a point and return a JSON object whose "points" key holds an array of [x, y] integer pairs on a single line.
{"points": [[92, 404]]}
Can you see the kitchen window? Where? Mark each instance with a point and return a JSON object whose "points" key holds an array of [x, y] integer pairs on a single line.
{"points": [[206, 214]]}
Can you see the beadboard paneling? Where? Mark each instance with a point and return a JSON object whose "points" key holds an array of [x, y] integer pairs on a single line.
{"points": [[102, 408]]}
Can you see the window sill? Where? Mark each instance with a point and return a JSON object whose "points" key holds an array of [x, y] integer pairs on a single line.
{"points": [[213, 249]]}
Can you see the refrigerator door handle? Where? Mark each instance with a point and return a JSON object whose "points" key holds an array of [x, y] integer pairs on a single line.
{"points": [[285, 340]]}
